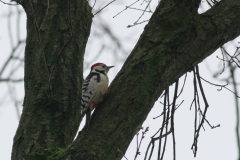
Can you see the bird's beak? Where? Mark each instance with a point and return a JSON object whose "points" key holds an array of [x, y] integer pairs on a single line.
{"points": [[110, 67]]}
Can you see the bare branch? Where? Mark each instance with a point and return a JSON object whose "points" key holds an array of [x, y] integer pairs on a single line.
{"points": [[232, 72], [11, 80], [10, 57], [126, 8], [172, 119], [222, 86], [104, 7], [197, 129], [9, 3]]}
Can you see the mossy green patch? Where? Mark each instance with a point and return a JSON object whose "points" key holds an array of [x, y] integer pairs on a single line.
{"points": [[51, 153]]}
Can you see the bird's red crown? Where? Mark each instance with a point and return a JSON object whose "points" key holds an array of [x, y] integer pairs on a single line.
{"points": [[96, 64]]}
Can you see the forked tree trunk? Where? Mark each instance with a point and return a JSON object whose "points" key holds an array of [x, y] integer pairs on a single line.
{"points": [[174, 41]]}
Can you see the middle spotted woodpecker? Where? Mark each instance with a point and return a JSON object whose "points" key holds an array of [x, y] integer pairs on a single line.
{"points": [[94, 89]]}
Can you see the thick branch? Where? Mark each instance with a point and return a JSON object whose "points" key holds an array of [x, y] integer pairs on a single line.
{"points": [[172, 43]]}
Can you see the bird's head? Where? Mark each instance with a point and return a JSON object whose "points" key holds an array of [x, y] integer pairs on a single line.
{"points": [[100, 67]]}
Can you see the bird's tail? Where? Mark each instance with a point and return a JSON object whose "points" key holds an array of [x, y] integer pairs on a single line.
{"points": [[88, 117]]}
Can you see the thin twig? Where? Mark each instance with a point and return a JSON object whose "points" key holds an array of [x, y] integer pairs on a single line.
{"points": [[139, 145], [222, 86], [11, 80], [9, 27], [231, 57], [166, 128], [143, 12], [122, 153], [164, 118], [194, 146], [9, 3], [140, 9], [137, 23], [18, 22], [172, 120], [153, 145], [232, 71], [222, 61], [10, 57], [12, 90], [94, 3], [183, 85], [211, 126], [104, 7], [196, 133], [126, 8]]}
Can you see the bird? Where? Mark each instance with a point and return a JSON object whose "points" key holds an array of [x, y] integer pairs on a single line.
{"points": [[94, 89]]}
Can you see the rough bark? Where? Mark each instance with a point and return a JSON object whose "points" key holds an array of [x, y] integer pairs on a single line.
{"points": [[57, 33], [175, 40]]}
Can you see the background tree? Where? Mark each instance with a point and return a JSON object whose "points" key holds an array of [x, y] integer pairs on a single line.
{"points": [[167, 49]]}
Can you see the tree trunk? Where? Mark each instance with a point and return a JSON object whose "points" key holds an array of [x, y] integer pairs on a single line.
{"points": [[57, 33], [175, 40]]}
